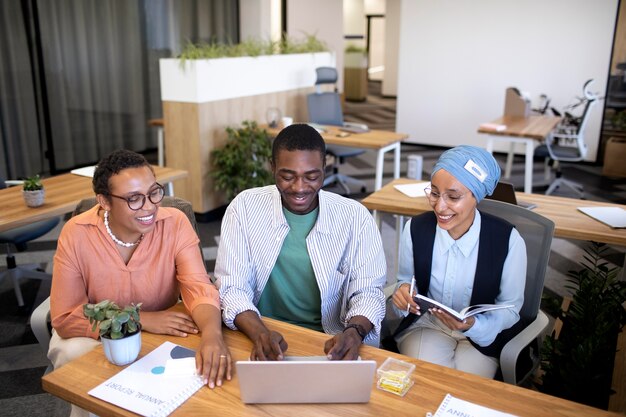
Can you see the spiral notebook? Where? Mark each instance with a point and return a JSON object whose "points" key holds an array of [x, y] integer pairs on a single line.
{"points": [[154, 385]]}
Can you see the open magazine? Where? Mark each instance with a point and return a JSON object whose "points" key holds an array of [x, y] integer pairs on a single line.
{"points": [[426, 303]]}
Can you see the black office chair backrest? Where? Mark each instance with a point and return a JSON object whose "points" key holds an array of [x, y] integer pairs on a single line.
{"points": [[179, 203]]}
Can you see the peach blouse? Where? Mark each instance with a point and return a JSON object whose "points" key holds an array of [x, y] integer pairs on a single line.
{"points": [[88, 269]]}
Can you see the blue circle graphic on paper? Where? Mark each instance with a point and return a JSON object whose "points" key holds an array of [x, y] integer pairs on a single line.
{"points": [[157, 370]]}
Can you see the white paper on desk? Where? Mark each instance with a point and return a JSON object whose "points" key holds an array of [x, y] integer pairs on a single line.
{"points": [[415, 189], [452, 406], [84, 171], [614, 217], [145, 388], [493, 126]]}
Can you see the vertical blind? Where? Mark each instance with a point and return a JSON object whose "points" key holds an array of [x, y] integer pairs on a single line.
{"points": [[80, 78]]}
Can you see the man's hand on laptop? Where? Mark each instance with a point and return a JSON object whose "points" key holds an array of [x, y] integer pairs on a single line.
{"points": [[345, 345], [268, 344]]}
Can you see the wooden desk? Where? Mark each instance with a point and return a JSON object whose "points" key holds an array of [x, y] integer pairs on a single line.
{"points": [[569, 223], [526, 130], [63, 193], [381, 140], [72, 382]]}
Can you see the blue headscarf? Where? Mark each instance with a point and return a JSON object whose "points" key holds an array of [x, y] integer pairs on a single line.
{"points": [[474, 167]]}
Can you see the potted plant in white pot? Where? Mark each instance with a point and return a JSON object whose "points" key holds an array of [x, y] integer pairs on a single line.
{"points": [[120, 329], [33, 191]]}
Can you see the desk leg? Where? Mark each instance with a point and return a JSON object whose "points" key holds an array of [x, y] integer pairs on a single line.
{"points": [[489, 146], [509, 161], [170, 189], [380, 163], [528, 170], [160, 146], [396, 161]]}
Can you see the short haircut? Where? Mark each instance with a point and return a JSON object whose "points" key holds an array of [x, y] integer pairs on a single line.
{"points": [[299, 137], [112, 164]]}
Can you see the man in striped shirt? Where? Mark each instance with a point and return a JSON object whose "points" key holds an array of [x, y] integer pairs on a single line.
{"points": [[296, 253]]}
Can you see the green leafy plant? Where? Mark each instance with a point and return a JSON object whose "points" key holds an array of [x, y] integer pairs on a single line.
{"points": [[578, 364], [355, 49], [114, 322], [251, 47], [33, 183], [243, 162]]}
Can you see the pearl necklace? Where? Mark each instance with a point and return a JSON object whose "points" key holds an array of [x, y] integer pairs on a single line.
{"points": [[115, 239]]}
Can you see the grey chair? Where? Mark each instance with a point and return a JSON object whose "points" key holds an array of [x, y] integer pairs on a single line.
{"points": [[19, 237], [567, 142], [40, 318], [325, 108], [520, 357]]}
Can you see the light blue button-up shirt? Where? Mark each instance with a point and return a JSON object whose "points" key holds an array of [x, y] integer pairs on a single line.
{"points": [[452, 277]]}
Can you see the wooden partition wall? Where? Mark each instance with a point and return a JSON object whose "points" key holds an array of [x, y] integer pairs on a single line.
{"points": [[193, 130]]}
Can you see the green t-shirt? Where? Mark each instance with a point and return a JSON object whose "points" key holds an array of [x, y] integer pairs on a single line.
{"points": [[291, 293]]}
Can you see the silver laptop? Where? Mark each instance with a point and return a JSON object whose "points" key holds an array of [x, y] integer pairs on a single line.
{"points": [[305, 380]]}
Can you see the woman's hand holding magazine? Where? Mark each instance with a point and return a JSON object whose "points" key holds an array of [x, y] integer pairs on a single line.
{"points": [[426, 304]]}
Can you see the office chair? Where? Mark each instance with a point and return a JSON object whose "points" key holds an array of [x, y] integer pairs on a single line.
{"points": [[325, 108], [19, 237], [520, 356], [567, 142], [40, 318]]}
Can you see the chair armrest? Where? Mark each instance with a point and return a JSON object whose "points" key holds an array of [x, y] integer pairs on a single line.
{"points": [[39, 325], [511, 351]]}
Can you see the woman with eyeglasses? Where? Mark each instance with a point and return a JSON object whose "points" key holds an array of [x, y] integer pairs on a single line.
{"points": [[459, 257], [128, 249]]}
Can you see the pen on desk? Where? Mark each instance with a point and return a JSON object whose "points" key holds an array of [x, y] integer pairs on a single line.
{"points": [[408, 305]]}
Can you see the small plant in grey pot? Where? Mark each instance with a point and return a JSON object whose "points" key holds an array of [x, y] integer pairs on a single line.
{"points": [[119, 329], [33, 191]]}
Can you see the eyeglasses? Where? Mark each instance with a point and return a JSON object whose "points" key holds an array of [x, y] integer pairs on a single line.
{"points": [[136, 201], [449, 199]]}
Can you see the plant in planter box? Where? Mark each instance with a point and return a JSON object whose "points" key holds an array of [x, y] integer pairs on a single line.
{"points": [[119, 329], [578, 364], [33, 191], [243, 162]]}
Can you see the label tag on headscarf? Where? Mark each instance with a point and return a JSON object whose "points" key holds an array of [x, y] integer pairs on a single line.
{"points": [[473, 168]]}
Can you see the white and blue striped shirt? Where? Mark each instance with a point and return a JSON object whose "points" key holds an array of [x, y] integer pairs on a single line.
{"points": [[344, 246]]}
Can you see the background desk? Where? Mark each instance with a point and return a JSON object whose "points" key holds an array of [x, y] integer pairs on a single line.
{"points": [[63, 193], [380, 140], [526, 130], [568, 221], [72, 382]]}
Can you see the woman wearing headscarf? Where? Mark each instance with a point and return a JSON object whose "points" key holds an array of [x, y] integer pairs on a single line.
{"points": [[459, 257]]}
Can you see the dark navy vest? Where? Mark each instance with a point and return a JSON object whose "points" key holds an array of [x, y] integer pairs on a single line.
{"points": [[492, 252]]}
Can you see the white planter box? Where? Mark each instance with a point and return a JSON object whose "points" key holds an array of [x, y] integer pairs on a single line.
{"points": [[223, 78]]}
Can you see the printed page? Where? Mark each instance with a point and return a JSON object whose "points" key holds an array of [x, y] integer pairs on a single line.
{"points": [[84, 171], [425, 303], [614, 217], [146, 388], [452, 406], [413, 189]]}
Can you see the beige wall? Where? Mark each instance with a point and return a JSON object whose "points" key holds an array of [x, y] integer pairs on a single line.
{"points": [[323, 18], [457, 58]]}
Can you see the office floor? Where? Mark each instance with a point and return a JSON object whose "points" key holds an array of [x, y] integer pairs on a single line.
{"points": [[22, 363]]}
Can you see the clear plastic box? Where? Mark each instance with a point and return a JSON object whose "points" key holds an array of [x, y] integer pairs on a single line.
{"points": [[394, 376]]}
